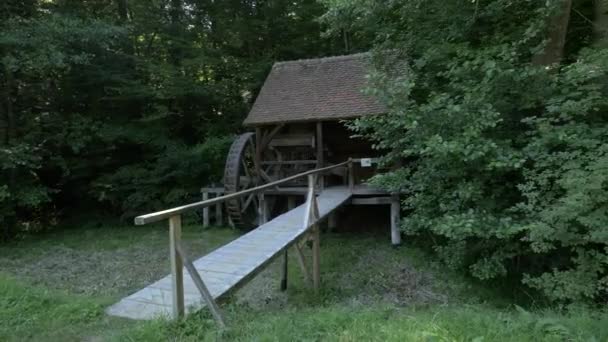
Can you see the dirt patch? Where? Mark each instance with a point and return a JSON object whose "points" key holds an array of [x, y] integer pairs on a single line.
{"points": [[263, 290], [381, 275]]}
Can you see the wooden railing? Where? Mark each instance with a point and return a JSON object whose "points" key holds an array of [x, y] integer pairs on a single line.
{"points": [[179, 256]]}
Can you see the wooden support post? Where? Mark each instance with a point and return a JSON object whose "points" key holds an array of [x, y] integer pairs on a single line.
{"points": [[175, 232], [316, 258], [258, 154], [302, 263], [200, 285], [395, 215], [291, 202], [205, 210], [285, 270], [320, 160], [351, 176], [219, 212], [262, 209]]}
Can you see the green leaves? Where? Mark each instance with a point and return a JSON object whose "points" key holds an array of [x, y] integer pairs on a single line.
{"points": [[504, 162]]}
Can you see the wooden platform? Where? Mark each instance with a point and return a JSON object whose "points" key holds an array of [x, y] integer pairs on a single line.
{"points": [[231, 265]]}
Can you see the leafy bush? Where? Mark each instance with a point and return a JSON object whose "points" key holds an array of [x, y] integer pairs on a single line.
{"points": [[505, 159], [171, 178]]}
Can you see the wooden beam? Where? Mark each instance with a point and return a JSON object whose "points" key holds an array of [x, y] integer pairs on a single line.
{"points": [[205, 211], [290, 162], [262, 209], [219, 214], [316, 258], [293, 140], [351, 176], [291, 202], [200, 285], [175, 233], [302, 263], [372, 201], [258, 151], [268, 137], [285, 270], [320, 145]]}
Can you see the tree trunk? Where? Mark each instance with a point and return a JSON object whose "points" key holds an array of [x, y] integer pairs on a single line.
{"points": [[601, 23], [558, 27]]}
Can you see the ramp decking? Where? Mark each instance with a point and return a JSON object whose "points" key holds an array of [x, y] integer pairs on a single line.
{"points": [[231, 265]]}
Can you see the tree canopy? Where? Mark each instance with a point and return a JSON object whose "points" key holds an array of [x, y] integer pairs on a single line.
{"points": [[128, 105], [500, 120]]}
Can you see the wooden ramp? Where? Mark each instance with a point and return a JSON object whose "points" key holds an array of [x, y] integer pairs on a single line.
{"points": [[231, 265]]}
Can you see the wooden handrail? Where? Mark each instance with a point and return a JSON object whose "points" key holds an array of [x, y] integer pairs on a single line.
{"points": [[165, 214]]}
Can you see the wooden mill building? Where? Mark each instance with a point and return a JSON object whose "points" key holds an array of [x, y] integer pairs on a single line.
{"points": [[298, 120]]}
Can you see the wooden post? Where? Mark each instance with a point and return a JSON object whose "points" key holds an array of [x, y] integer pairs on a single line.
{"points": [[312, 215], [200, 285], [205, 210], [291, 202], [285, 270], [219, 219], [258, 154], [320, 160], [262, 209], [302, 262], [395, 214], [316, 258], [351, 176], [175, 233]]}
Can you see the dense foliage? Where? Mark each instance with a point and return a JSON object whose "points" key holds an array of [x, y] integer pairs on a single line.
{"points": [[502, 133], [121, 106]]}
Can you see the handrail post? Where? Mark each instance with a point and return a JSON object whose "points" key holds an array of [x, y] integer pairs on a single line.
{"points": [[177, 275], [313, 216], [351, 176]]}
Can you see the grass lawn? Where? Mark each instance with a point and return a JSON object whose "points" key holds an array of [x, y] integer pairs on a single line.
{"points": [[55, 287]]}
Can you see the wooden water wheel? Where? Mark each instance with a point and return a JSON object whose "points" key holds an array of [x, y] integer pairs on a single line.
{"points": [[240, 173]]}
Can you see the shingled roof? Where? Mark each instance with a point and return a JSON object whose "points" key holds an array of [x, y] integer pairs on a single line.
{"points": [[315, 90]]}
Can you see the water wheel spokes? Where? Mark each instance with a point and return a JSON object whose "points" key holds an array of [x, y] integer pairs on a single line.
{"points": [[241, 173]]}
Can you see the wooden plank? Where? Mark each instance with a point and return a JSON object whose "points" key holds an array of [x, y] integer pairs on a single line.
{"points": [[293, 140], [372, 201], [213, 190], [175, 233]]}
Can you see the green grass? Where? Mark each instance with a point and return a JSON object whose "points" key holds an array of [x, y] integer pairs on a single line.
{"points": [[55, 287]]}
